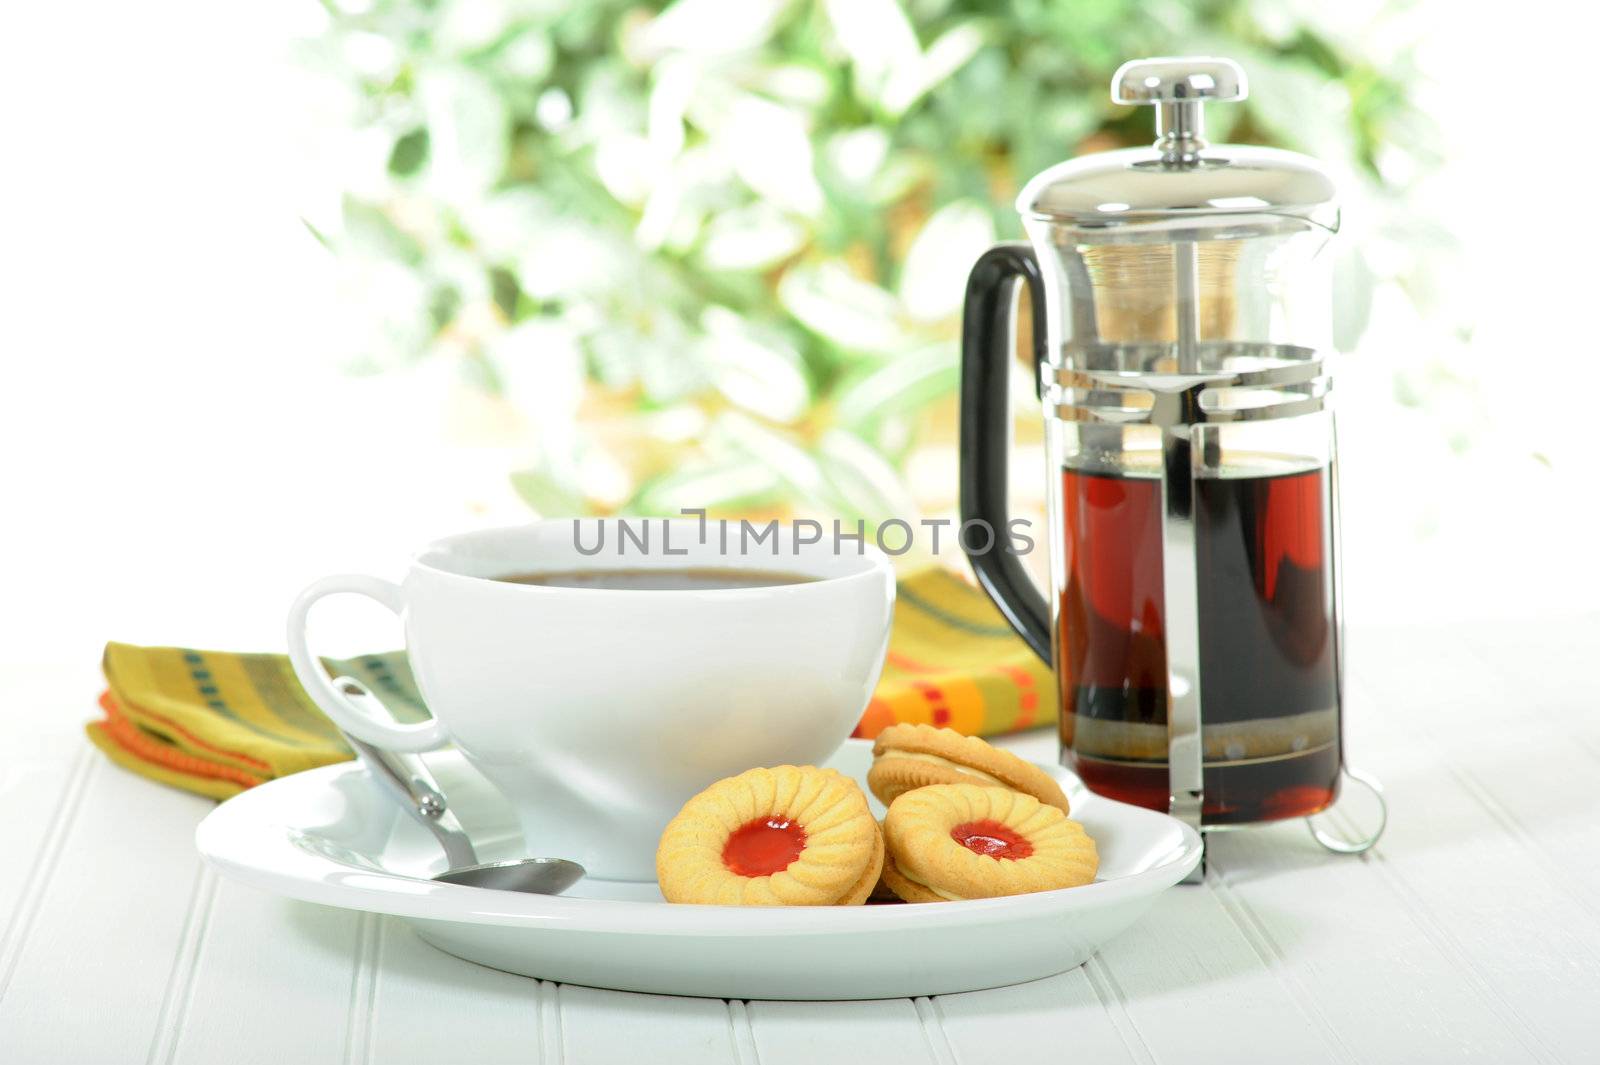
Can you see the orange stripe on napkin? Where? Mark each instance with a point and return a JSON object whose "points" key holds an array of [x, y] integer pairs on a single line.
{"points": [[1027, 694], [113, 709], [879, 716], [140, 744]]}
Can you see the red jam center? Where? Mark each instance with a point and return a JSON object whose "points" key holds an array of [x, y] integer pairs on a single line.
{"points": [[765, 846], [991, 838]]}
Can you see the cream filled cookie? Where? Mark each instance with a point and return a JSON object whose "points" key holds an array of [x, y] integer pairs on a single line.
{"points": [[906, 757]]}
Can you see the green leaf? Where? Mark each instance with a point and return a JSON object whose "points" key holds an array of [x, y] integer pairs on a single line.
{"points": [[912, 79], [470, 27], [757, 369], [528, 57], [715, 27], [742, 435], [877, 37], [771, 152], [725, 485], [659, 354], [855, 157], [468, 131], [1354, 286], [934, 277], [860, 318], [900, 385], [569, 259], [409, 153], [864, 481], [316, 234], [369, 231], [547, 495], [750, 238]]}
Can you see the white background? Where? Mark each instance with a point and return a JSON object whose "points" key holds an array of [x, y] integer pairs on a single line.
{"points": [[181, 450]]}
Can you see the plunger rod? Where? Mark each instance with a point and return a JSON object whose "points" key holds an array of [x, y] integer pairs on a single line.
{"points": [[1185, 749]]}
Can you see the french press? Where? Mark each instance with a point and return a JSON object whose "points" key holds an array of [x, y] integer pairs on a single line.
{"points": [[1181, 315]]}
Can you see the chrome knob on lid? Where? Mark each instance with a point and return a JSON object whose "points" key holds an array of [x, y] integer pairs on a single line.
{"points": [[1179, 86]]}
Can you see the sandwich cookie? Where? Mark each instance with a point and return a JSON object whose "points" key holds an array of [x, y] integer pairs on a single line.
{"points": [[951, 842], [787, 836], [906, 757]]}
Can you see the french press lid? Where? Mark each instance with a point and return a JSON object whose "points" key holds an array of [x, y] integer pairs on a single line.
{"points": [[1181, 176]]}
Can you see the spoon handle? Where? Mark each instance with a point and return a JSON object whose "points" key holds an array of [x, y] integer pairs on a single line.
{"points": [[406, 778]]}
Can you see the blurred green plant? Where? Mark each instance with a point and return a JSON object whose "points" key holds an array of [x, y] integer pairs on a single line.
{"points": [[712, 252]]}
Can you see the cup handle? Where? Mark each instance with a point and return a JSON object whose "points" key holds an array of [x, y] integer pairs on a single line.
{"points": [[390, 735]]}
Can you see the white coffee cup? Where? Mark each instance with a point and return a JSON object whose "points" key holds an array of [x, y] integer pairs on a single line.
{"points": [[598, 711]]}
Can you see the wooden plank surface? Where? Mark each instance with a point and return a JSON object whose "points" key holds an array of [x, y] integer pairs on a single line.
{"points": [[277, 981], [804, 1033], [1058, 1018], [1187, 961], [1467, 764], [599, 1027], [1472, 933], [93, 969], [428, 1005]]}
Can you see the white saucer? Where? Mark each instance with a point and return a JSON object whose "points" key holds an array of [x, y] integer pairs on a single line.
{"points": [[329, 836]]}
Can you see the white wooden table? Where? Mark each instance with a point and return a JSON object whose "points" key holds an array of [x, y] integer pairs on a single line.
{"points": [[1472, 933]]}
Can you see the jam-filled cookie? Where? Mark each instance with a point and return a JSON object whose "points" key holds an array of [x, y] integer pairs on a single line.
{"points": [[906, 757], [787, 836], [949, 842]]}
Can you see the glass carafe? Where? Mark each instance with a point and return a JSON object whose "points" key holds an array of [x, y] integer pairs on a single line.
{"points": [[1181, 313]]}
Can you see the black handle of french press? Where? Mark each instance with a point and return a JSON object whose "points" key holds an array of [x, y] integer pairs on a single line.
{"points": [[986, 432]]}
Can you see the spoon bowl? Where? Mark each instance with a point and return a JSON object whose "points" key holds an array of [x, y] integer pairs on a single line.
{"points": [[537, 876]]}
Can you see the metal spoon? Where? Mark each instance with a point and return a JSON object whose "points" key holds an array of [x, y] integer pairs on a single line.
{"points": [[407, 780]]}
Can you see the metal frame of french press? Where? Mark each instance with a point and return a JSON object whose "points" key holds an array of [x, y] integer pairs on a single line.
{"points": [[1114, 384]]}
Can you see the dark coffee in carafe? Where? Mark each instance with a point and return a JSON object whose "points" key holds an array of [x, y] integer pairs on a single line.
{"points": [[1271, 734]]}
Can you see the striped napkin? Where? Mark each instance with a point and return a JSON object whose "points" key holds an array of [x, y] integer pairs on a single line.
{"points": [[217, 722]]}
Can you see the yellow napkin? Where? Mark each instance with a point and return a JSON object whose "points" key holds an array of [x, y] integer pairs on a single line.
{"points": [[217, 722]]}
